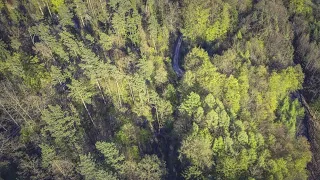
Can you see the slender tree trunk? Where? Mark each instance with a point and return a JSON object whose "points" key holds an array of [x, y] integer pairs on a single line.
{"points": [[104, 100], [31, 37], [25, 119], [131, 92], [140, 98], [147, 11], [159, 123], [82, 21], [102, 7], [81, 18], [3, 128], [105, 56], [48, 8], [16, 101], [23, 110], [9, 114], [85, 106], [40, 8], [109, 90], [148, 97], [93, 12], [118, 93], [54, 162]]}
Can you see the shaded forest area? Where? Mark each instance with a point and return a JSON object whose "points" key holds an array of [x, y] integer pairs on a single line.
{"points": [[88, 89]]}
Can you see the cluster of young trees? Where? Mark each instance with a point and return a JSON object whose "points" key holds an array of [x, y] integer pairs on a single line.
{"points": [[88, 90]]}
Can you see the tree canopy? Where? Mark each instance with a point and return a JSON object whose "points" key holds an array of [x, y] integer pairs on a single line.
{"points": [[91, 89]]}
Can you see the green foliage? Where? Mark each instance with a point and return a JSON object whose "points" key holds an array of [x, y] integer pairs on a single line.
{"points": [[227, 63], [193, 173], [281, 83], [190, 105], [232, 95], [111, 154], [196, 14], [243, 81], [221, 26], [289, 112], [65, 14], [301, 6], [119, 26], [60, 125], [36, 74], [196, 58], [218, 145], [150, 167], [205, 73], [4, 53], [89, 169], [196, 148], [70, 43], [105, 41], [56, 4], [12, 65], [1, 4], [80, 92], [199, 23], [233, 113], [47, 154], [127, 134], [58, 77]]}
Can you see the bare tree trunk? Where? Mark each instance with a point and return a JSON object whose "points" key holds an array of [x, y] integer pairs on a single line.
{"points": [[147, 11], [25, 119], [148, 97], [104, 100], [159, 123], [108, 86], [118, 93], [9, 114], [82, 21], [92, 10], [3, 128], [31, 37], [40, 8], [16, 101], [102, 8], [131, 92], [48, 8], [54, 162], [105, 56], [85, 106]]}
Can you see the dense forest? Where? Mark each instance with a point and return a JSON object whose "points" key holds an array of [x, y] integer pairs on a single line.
{"points": [[160, 89]]}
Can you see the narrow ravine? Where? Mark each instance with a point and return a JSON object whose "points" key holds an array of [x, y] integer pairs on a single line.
{"points": [[175, 63]]}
